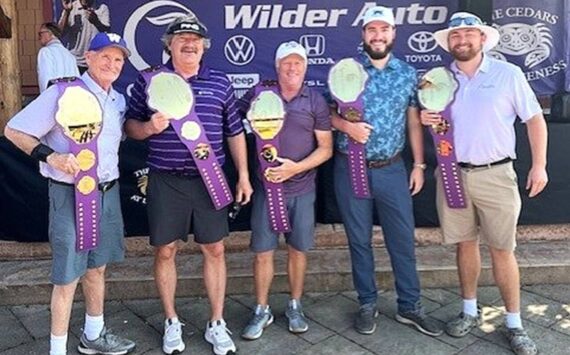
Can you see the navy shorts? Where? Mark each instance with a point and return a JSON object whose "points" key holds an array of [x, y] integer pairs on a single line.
{"points": [[177, 205], [301, 210], [69, 264]]}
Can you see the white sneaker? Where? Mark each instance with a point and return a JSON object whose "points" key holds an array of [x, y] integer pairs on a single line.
{"points": [[172, 342], [218, 335]]}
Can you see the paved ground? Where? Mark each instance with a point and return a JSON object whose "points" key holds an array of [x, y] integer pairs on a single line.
{"points": [[25, 329]]}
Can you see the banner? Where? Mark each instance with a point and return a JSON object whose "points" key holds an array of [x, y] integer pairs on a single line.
{"points": [[534, 36], [245, 34]]}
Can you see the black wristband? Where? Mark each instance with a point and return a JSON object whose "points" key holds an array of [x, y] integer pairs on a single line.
{"points": [[41, 152]]}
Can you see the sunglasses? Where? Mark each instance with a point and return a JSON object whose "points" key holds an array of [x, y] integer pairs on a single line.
{"points": [[466, 21]]}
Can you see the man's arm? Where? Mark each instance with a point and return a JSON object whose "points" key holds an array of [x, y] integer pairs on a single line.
{"points": [[142, 130], [101, 21], [64, 19], [66, 163], [238, 150], [416, 137], [290, 168], [538, 139]]}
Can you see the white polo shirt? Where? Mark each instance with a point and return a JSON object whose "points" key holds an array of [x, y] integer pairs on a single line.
{"points": [[485, 109]]}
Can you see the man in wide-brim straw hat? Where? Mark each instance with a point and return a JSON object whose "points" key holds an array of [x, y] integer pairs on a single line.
{"points": [[490, 96]]}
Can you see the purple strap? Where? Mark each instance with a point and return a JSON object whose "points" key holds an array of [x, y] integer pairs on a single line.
{"points": [[267, 151], [442, 135], [354, 112], [200, 148], [87, 201]]}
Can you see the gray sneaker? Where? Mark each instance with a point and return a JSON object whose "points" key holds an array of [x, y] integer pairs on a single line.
{"points": [[172, 342], [462, 325], [261, 319], [106, 344], [297, 320], [420, 321], [521, 343], [365, 323]]}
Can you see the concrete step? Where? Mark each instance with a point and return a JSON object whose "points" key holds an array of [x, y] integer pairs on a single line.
{"points": [[27, 282], [326, 236]]}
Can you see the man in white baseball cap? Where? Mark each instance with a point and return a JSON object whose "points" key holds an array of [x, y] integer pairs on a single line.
{"points": [[491, 95], [390, 117], [303, 143]]}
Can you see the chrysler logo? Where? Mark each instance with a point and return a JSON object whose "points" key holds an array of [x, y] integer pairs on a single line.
{"points": [[422, 42], [239, 50], [314, 44]]}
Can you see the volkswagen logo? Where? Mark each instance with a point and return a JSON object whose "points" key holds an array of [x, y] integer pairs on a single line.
{"points": [[422, 42], [239, 50], [314, 44]]}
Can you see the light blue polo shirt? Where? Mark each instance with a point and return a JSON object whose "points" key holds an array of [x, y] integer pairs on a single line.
{"points": [[485, 109], [388, 94], [38, 120]]}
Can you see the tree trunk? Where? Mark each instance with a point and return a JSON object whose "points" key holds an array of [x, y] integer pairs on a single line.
{"points": [[10, 82]]}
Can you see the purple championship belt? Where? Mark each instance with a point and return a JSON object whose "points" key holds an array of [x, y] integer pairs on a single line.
{"points": [[347, 80], [266, 117], [80, 116], [170, 94], [436, 92]]}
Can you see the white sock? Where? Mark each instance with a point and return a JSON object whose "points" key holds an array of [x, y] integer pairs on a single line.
{"points": [[470, 307], [93, 326], [58, 345], [513, 320]]}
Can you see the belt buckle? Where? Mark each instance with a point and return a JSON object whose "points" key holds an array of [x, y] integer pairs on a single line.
{"points": [[106, 186]]}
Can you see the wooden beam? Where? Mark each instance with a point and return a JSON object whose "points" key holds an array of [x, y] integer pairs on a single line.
{"points": [[10, 87], [5, 25]]}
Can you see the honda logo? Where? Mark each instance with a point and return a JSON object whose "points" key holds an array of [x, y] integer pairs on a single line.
{"points": [[239, 50], [314, 44]]}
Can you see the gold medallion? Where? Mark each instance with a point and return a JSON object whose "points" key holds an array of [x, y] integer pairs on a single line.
{"points": [[85, 159], [269, 153], [190, 130], [202, 151], [86, 185]]}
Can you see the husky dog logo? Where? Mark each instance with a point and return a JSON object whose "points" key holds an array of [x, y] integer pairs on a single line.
{"points": [[533, 41]]}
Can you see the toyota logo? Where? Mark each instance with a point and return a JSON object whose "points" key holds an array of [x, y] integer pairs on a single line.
{"points": [[239, 50], [422, 42]]}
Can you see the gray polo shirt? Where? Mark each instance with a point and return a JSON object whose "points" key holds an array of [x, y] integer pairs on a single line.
{"points": [[38, 120]]}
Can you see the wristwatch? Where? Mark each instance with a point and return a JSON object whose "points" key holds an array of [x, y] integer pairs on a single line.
{"points": [[422, 166]]}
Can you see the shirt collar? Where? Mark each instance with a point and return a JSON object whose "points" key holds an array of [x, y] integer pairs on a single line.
{"points": [[203, 70], [484, 67], [95, 88], [52, 42]]}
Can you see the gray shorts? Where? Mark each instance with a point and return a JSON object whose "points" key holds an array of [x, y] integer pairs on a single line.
{"points": [[68, 264], [177, 205], [301, 211]]}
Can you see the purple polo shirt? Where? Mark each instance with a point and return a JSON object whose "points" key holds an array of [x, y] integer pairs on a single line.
{"points": [[216, 108], [305, 113]]}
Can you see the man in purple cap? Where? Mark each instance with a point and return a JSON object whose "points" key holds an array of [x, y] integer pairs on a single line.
{"points": [[390, 110], [40, 130], [181, 196], [303, 143], [491, 95]]}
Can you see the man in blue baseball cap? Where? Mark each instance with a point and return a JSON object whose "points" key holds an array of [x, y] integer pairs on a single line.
{"points": [[83, 112]]}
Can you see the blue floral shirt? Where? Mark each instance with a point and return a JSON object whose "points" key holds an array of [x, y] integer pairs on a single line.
{"points": [[388, 94]]}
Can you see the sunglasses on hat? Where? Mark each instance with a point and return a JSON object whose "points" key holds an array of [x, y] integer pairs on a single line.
{"points": [[466, 21]]}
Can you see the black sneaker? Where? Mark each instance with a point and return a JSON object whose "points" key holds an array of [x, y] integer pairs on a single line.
{"points": [[420, 321], [365, 323]]}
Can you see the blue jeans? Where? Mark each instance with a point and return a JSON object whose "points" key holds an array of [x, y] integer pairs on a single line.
{"points": [[393, 203]]}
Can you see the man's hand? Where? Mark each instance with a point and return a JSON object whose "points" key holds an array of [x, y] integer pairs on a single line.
{"points": [[66, 163], [536, 181], [416, 180], [430, 118], [158, 123], [360, 131], [283, 172], [92, 16], [243, 191]]}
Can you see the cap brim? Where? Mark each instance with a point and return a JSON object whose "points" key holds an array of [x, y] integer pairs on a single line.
{"points": [[492, 34]]}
